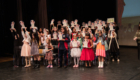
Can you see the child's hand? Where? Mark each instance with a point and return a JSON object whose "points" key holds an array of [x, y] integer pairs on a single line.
{"points": [[63, 39]]}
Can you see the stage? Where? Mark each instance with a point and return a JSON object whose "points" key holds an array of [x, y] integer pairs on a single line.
{"points": [[127, 69]]}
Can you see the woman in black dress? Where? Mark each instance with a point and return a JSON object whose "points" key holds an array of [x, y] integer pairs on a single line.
{"points": [[113, 45]]}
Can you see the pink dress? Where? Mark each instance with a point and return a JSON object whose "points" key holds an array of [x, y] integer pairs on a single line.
{"points": [[75, 52], [26, 49], [100, 50], [87, 54]]}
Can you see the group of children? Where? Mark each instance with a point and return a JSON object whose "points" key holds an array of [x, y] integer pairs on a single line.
{"points": [[91, 41]]}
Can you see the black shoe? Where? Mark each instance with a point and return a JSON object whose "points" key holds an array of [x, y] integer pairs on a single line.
{"points": [[34, 66], [38, 66], [59, 66], [65, 66]]}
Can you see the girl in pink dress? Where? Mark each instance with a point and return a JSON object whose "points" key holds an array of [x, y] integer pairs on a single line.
{"points": [[100, 48], [87, 54], [26, 49], [75, 50]]}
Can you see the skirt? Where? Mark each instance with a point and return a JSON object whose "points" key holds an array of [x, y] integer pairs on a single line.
{"points": [[100, 50], [26, 50], [75, 52], [87, 54], [49, 56]]}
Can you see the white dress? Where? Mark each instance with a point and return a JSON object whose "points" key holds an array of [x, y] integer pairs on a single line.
{"points": [[75, 52], [26, 48]]}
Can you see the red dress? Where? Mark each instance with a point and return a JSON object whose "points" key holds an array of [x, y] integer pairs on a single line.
{"points": [[87, 54]]}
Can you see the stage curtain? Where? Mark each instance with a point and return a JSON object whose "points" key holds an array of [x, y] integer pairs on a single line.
{"points": [[42, 14]]}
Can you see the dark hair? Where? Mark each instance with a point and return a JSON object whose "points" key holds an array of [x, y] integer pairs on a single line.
{"points": [[101, 36], [33, 39], [73, 29], [87, 34], [65, 30]]}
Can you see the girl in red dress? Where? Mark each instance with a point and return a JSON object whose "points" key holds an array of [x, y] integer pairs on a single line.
{"points": [[87, 54]]}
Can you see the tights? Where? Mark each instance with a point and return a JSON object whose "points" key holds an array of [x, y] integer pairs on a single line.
{"points": [[75, 60]]}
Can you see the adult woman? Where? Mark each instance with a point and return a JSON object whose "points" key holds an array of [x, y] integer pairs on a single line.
{"points": [[137, 38]]}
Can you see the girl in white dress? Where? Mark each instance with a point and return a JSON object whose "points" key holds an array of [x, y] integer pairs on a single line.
{"points": [[75, 50]]}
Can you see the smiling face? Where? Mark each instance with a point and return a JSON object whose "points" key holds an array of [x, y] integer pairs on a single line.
{"points": [[79, 35], [74, 36], [55, 29]]}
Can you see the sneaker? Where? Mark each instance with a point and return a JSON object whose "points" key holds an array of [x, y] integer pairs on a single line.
{"points": [[77, 66], [48, 66], [51, 66], [74, 66]]}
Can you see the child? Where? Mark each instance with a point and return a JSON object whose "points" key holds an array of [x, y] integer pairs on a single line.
{"points": [[87, 54], [49, 54], [35, 51], [59, 25], [63, 46], [54, 36], [26, 49], [89, 24], [100, 49], [79, 38], [73, 33], [51, 24], [75, 50], [16, 47], [113, 45], [90, 32], [83, 32], [93, 28], [72, 25]]}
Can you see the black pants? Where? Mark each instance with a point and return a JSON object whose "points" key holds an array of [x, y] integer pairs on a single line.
{"points": [[138, 50], [16, 55], [61, 53], [115, 55]]}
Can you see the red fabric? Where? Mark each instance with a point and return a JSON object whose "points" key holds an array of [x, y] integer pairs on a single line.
{"points": [[87, 54], [94, 38]]}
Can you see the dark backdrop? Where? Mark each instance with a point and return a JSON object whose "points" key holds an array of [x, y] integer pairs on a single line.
{"points": [[83, 10]]}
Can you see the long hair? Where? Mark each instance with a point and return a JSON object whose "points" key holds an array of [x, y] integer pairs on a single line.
{"points": [[101, 36], [33, 39], [65, 30], [88, 34]]}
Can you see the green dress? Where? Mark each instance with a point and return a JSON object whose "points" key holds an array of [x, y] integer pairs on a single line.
{"points": [[80, 40]]}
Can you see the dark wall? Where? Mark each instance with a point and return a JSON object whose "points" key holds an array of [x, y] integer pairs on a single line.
{"points": [[7, 14], [83, 10]]}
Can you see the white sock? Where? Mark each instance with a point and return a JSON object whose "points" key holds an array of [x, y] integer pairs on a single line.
{"points": [[103, 64], [99, 64]]}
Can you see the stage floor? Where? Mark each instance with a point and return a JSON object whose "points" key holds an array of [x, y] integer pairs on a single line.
{"points": [[127, 69]]}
